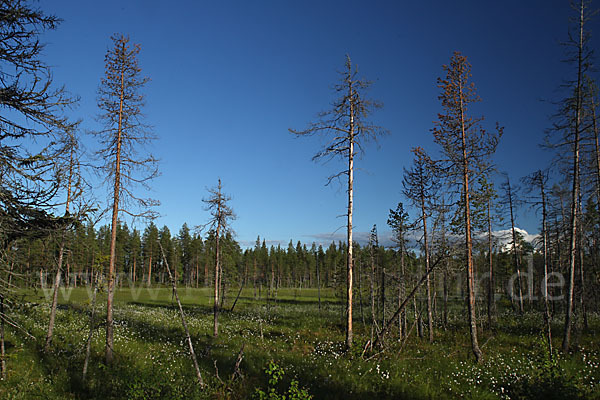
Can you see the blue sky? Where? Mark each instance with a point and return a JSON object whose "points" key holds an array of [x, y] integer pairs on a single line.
{"points": [[228, 78]]}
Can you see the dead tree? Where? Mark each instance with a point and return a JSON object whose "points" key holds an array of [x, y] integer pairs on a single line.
{"points": [[221, 215], [122, 141], [182, 315], [510, 200], [348, 130], [466, 149], [70, 167], [538, 180]]}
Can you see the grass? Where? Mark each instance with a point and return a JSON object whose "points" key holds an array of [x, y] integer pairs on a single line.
{"points": [[152, 360]]}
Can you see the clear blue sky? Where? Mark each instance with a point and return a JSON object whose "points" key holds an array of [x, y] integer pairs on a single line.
{"points": [[228, 78]]}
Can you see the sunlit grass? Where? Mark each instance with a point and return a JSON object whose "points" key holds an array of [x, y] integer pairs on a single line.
{"points": [[152, 359]]}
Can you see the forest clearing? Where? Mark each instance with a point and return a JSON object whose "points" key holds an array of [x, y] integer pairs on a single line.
{"points": [[459, 260], [291, 332]]}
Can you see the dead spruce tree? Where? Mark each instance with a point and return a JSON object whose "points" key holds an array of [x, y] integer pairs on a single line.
{"points": [[466, 148], [347, 130], [125, 166], [221, 215], [510, 201], [538, 181], [566, 137]]}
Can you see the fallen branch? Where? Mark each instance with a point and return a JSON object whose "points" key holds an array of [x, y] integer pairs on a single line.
{"points": [[387, 326], [185, 327]]}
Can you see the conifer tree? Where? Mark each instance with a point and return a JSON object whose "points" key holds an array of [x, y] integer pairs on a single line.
{"points": [[466, 148], [221, 214], [122, 139], [420, 185], [347, 128]]}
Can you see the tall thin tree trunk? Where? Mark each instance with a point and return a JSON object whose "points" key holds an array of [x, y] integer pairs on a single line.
{"points": [[372, 297], [350, 209], [113, 233], [547, 316], [88, 345], [183, 322], [318, 281], [382, 295], [217, 268], [2, 349], [428, 281], [469, 243], [60, 260], [574, 193], [516, 257], [150, 268], [490, 305]]}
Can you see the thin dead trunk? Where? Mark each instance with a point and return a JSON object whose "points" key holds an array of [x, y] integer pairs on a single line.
{"points": [[183, 322], [2, 349], [88, 345], [319, 282], [114, 222], [428, 281], [217, 269], [238, 296], [469, 244], [547, 316], [575, 192], [349, 334], [490, 305], [516, 257], [60, 259], [380, 338]]}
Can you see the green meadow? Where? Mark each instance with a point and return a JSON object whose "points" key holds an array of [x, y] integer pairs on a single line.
{"points": [[290, 338]]}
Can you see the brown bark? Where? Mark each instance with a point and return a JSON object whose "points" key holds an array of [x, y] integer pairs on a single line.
{"points": [[113, 234], [469, 243]]}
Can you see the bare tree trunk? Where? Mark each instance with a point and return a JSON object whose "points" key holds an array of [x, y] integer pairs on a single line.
{"points": [[469, 244], [514, 245], [445, 316], [217, 268], [318, 281], [547, 316], [350, 241], [183, 322], [428, 281], [88, 345], [574, 193], [596, 147], [238, 296], [382, 295], [373, 320], [2, 349], [490, 305], [402, 306], [150, 268], [60, 260]]}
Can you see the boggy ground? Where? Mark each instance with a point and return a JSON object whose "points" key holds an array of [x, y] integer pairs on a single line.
{"points": [[303, 342]]}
